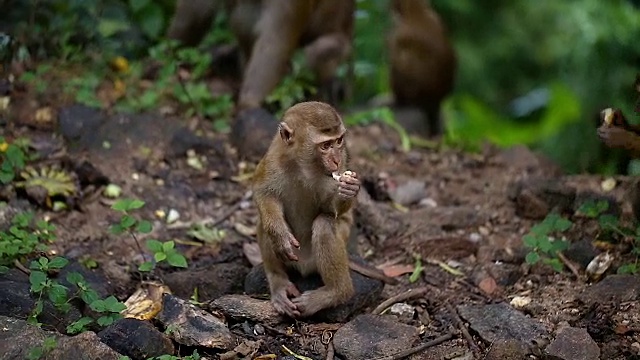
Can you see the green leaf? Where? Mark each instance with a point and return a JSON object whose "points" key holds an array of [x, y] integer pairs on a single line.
{"points": [[58, 294], [417, 270], [160, 256], [177, 260], [116, 229], [75, 277], [58, 262], [124, 205], [49, 343], [89, 296], [109, 27], [555, 264], [144, 227], [98, 306], [136, 5], [3, 269], [38, 281], [532, 257], [608, 221], [628, 269], [152, 20], [154, 245], [127, 221], [145, 266], [113, 305], [530, 240], [168, 245], [79, 325]]}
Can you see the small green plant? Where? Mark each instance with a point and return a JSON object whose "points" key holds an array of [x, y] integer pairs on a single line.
{"points": [[48, 344], [543, 246], [162, 251], [12, 158], [24, 237], [610, 224]]}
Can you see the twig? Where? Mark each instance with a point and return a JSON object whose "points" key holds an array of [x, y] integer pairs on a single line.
{"points": [[330, 351], [417, 349], [568, 263], [21, 267], [462, 327], [409, 294]]}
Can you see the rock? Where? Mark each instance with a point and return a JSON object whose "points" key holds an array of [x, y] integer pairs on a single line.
{"points": [[500, 321], [16, 300], [367, 291], [244, 307], [372, 336], [252, 132], [447, 247], [408, 193], [450, 217], [136, 338], [581, 252], [573, 343], [192, 326], [535, 198], [18, 339], [212, 282], [403, 311], [78, 121], [507, 350], [521, 157], [184, 139], [618, 288]]}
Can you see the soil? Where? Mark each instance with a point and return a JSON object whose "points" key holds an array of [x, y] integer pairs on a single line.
{"points": [[463, 227]]}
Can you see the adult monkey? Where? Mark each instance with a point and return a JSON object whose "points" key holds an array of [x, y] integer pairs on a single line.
{"points": [[268, 32]]}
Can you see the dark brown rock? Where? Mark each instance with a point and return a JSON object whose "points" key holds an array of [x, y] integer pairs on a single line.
{"points": [[573, 343], [212, 282], [244, 307], [137, 339], [617, 288], [372, 336]]}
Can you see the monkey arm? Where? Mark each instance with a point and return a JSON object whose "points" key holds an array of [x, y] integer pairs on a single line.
{"points": [[272, 216], [618, 137]]}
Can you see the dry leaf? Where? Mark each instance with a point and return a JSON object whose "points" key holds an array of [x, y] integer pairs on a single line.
{"points": [[397, 270]]}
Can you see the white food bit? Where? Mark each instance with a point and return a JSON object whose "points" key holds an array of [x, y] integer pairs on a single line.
{"points": [[337, 176]]}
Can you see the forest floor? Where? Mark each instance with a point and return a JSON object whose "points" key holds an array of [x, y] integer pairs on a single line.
{"points": [[464, 215]]}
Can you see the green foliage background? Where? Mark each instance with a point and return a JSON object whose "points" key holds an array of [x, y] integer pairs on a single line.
{"points": [[561, 62]]}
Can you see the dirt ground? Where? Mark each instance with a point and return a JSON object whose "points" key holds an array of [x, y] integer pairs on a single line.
{"points": [[464, 223]]}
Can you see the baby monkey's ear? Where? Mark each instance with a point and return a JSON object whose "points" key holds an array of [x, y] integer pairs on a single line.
{"points": [[286, 133]]}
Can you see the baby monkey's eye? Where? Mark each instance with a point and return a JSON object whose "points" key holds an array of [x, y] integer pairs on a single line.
{"points": [[339, 141], [325, 145]]}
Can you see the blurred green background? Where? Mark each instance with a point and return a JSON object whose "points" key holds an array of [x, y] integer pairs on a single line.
{"points": [[530, 72]]}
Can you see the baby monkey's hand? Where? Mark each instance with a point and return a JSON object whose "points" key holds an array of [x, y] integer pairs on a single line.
{"points": [[349, 184]]}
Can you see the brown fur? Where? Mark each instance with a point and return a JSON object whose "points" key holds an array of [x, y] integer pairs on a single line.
{"points": [[299, 203], [422, 60], [269, 31]]}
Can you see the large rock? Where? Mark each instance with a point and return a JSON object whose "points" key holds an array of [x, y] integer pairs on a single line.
{"points": [[372, 336], [573, 343], [618, 288], [137, 339], [500, 321], [18, 339], [212, 282], [16, 300], [192, 326]]}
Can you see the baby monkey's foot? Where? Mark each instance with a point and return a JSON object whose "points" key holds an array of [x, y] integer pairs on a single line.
{"points": [[281, 302]]}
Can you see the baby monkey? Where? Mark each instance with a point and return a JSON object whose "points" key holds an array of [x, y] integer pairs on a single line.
{"points": [[305, 196]]}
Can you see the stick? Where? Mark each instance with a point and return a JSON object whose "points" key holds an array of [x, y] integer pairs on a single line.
{"points": [[21, 267], [463, 329], [569, 264], [417, 349], [409, 294]]}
